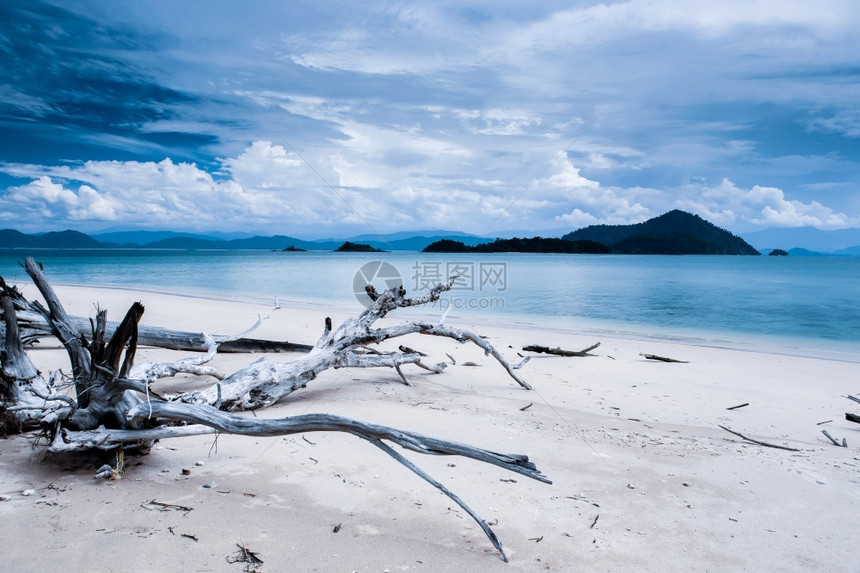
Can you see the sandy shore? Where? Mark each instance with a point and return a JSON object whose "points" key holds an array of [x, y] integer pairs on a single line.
{"points": [[643, 477]]}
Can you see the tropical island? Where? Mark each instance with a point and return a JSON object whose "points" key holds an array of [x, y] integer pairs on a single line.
{"points": [[517, 245], [673, 233]]}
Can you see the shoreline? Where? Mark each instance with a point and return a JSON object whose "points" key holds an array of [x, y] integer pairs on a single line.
{"points": [[643, 477], [828, 349], [797, 305]]}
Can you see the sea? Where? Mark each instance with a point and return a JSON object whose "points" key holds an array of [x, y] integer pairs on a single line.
{"points": [[798, 305]]}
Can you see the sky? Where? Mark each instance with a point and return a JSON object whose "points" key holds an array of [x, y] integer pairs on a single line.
{"points": [[329, 119]]}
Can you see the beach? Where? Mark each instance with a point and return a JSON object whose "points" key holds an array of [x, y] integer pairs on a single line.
{"points": [[644, 479]]}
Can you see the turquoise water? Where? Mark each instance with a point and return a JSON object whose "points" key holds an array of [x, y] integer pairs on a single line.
{"points": [[706, 297]]}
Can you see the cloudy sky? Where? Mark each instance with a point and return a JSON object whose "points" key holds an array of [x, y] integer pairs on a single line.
{"points": [[330, 118]]}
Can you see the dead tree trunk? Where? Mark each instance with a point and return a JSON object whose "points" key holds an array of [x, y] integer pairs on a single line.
{"points": [[33, 327], [113, 406], [95, 364], [25, 396]]}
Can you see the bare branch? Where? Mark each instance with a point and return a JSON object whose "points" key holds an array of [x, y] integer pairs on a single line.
{"points": [[759, 442]]}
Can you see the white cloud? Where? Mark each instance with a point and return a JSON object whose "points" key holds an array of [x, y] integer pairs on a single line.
{"points": [[846, 122], [268, 189], [263, 165], [568, 178], [44, 199], [578, 201], [758, 206], [584, 201], [498, 121], [375, 141], [160, 195], [578, 218], [265, 188], [394, 40], [603, 23]]}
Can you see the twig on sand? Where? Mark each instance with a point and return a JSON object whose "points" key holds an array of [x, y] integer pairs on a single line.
{"points": [[760, 443], [560, 352], [844, 443], [161, 506], [522, 363], [245, 555], [662, 358]]}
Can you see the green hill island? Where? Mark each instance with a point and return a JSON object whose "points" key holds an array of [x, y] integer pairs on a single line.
{"points": [[673, 233]]}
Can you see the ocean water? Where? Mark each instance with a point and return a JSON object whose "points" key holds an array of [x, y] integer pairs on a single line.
{"points": [[793, 302]]}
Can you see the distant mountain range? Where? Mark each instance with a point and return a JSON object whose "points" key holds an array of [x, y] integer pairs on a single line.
{"points": [[838, 242], [805, 241], [11, 239], [403, 241], [137, 237]]}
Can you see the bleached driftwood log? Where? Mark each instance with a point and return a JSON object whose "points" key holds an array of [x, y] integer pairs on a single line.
{"points": [[33, 327], [113, 406], [265, 381], [26, 396]]}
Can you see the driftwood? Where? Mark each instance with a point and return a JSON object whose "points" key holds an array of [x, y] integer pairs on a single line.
{"points": [[844, 443], [759, 442], [264, 382], [34, 327], [662, 358], [853, 417], [559, 352], [112, 407], [25, 396]]}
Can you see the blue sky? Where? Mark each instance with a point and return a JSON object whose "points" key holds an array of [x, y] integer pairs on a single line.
{"points": [[335, 118]]}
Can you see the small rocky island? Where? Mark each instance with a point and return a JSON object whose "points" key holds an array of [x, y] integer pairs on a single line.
{"points": [[350, 247]]}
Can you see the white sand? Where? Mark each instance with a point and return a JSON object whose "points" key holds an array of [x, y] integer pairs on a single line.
{"points": [[631, 443]]}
